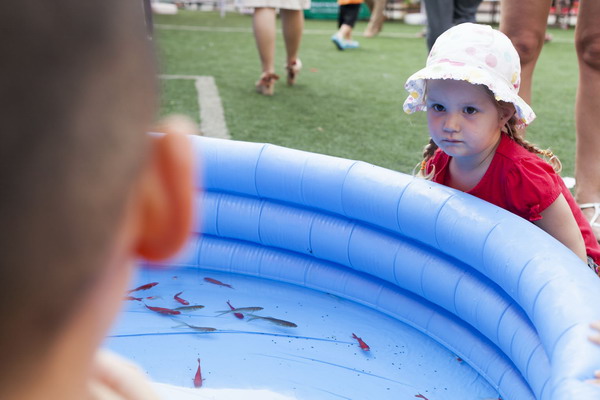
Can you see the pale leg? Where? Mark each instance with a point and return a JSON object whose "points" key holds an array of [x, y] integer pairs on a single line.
{"points": [[345, 32], [292, 22], [263, 24], [524, 22], [377, 8], [587, 106]]}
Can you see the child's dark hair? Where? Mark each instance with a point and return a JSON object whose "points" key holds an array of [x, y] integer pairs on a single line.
{"points": [[510, 129]]}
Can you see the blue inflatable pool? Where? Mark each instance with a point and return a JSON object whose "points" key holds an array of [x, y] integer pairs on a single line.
{"points": [[326, 278]]}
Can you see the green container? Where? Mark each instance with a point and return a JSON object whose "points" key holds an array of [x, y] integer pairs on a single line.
{"points": [[323, 9]]}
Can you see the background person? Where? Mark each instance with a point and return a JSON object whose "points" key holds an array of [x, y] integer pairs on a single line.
{"points": [[376, 7], [264, 27], [347, 17], [525, 24], [444, 14]]}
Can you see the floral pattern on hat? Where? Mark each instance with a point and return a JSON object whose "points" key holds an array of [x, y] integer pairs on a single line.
{"points": [[477, 54]]}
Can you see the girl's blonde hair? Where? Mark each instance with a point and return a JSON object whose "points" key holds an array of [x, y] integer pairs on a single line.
{"points": [[510, 129]]}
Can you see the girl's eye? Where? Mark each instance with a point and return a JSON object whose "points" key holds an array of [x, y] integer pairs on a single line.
{"points": [[470, 110], [437, 107]]}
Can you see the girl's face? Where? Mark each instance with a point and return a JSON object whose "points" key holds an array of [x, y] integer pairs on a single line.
{"points": [[464, 120]]}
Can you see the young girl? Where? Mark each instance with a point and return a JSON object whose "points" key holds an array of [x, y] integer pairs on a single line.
{"points": [[469, 88]]}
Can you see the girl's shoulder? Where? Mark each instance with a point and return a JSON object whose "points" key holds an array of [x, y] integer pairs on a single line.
{"points": [[521, 161], [529, 183]]}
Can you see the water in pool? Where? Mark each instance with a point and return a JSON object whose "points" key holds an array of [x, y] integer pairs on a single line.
{"points": [[316, 359]]}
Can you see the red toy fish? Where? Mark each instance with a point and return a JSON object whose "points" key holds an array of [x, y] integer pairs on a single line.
{"points": [[216, 282], [237, 314], [420, 396], [161, 310], [361, 343], [179, 299], [198, 376], [143, 287]]}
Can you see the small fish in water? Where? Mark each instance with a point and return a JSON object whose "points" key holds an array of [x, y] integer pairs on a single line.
{"points": [[179, 299], [237, 314], [153, 297], [189, 308], [275, 321], [143, 287], [216, 282], [242, 309], [420, 396], [459, 359], [198, 376], [361, 343], [161, 310], [197, 328], [132, 298]]}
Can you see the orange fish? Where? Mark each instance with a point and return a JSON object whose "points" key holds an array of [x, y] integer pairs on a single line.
{"points": [[198, 376], [237, 314], [161, 310], [361, 343], [420, 396], [179, 299], [143, 287], [216, 282]]}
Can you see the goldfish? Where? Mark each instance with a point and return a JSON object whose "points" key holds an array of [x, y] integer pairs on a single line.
{"points": [[198, 376], [143, 287], [237, 314], [216, 282], [189, 308], [198, 328], [179, 299], [276, 321], [420, 396], [161, 310], [361, 343], [153, 297], [132, 298]]}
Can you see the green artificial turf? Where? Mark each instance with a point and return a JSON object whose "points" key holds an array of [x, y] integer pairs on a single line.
{"points": [[346, 103]]}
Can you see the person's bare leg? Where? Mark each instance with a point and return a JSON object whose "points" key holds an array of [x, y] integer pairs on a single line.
{"points": [[587, 104], [263, 25], [345, 32], [375, 24], [292, 25], [524, 22]]}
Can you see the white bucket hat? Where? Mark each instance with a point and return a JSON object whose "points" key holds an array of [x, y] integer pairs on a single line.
{"points": [[477, 54]]}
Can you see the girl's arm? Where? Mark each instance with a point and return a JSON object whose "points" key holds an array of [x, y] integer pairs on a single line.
{"points": [[559, 222]]}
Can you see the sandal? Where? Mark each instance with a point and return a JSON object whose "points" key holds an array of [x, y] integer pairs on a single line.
{"points": [[293, 69], [266, 84], [594, 220]]}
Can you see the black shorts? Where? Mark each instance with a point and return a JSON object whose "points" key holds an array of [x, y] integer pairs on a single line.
{"points": [[592, 264]]}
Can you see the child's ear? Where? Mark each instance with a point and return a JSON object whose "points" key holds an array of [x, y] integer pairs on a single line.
{"points": [[506, 111], [166, 192]]}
